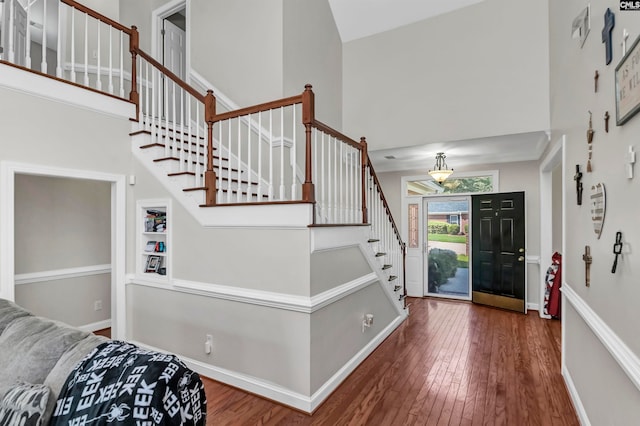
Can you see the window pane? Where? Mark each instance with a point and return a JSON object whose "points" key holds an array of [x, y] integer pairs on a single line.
{"points": [[413, 226], [461, 185]]}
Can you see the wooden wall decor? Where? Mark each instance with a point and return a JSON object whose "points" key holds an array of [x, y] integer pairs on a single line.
{"points": [[590, 133], [587, 259], [578, 178], [598, 207]]}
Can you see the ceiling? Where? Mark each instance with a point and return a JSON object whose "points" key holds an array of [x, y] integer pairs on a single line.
{"points": [[362, 18], [463, 153]]}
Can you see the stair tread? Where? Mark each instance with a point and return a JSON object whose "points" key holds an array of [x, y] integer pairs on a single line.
{"points": [[380, 254], [396, 288], [392, 278], [162, 145], [373, 240], [386, 266]]}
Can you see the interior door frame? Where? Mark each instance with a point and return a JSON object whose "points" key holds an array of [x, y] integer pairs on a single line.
{"points": [[157, 16], [554, 157], [425, 248], [8, 171], [409, 199]]}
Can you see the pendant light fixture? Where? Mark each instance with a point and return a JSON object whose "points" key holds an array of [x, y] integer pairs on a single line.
{"points": [[440, 171]]}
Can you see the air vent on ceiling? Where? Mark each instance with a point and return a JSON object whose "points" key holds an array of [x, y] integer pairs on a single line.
{"points": [[390, 157]]}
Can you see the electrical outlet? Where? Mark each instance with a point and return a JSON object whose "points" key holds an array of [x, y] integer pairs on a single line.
{"points": [[97, 305], [208, 344]]}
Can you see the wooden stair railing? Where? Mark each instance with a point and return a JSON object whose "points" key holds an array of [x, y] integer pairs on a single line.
{"points": [[183, 122]]}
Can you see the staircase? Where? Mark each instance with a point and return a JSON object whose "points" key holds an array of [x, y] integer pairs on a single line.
{"points": [[274, 157]]}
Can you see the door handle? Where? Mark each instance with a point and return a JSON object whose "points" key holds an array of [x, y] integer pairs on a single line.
{"points": [[521, 250], [520, 259]]}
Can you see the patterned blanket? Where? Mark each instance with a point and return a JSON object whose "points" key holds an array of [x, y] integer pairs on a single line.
{"points": [[120, 384]]}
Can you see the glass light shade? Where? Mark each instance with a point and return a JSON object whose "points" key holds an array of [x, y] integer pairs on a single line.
{"points": [[440, 175]]}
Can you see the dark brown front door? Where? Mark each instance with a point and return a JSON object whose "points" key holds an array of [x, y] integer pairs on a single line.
{"points": [[498, 258]]}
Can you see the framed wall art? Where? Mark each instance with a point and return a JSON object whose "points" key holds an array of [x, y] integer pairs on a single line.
{"points": [[628, 84]]}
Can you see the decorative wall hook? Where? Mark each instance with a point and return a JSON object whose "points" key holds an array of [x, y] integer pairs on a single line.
{"points": [[587, 259], [617, 250]]}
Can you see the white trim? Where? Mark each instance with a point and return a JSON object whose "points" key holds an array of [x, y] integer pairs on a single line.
{"points": [[330, 385], [62, 274], [48, 88], [157, 16], [533, 260], [268, 299], [279, 393], [8, 170], [533, 307], [554, 156], [575, 398], [95, 326], [626, 358]]}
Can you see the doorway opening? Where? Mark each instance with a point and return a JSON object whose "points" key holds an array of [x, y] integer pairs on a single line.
{"points": [[9, 173], [170, 32], [447, 247]]}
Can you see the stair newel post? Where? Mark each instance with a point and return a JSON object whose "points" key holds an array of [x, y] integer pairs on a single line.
{"points": [[210, 174], [134, 45], [308, 118], [365, 160]]}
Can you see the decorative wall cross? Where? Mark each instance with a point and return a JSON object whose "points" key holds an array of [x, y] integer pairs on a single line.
{"points": [[617, 250], [609, 23], [606, 121], [578, 178], [595, 81], [587, 259], [625, 36], [631, 159]]}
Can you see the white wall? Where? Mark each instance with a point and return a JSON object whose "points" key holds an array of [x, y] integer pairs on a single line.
{"points": [[611, 300], [521, 176], [476, 72], [313, 54]]}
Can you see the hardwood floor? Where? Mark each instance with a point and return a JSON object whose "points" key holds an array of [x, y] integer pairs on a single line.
{"points": [[450, 363]]}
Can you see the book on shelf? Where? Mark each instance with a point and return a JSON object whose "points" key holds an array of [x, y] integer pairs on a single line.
{"points": [[151, 246]]}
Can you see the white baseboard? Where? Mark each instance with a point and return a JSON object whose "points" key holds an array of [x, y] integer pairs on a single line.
{"points": [[278, 393], [533, 307], [575, 398], [100, 325]]}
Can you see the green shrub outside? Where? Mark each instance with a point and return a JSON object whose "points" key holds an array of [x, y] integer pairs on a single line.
{"points": [[438, 227], [443, 265], [454, 229]]}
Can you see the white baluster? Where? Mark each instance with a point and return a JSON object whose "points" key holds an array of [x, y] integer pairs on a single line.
{"points": [[86, 49], [190, 165], [220, 193], [73, 44], [12, 53], [183, 159], [282, 195], [27, 62], [145, 114], [270, 155], [167, 141], [336, 163], [122, 66], [99, 63], [342, 183], [323, 181], [198, 169], [329, 181], [249, 168], [110, 60], [229, 164], [239, 184], [43, 65], [260, 142], [293, 158], [314, 175], [174, 141], [153, 128], [59, 44]]}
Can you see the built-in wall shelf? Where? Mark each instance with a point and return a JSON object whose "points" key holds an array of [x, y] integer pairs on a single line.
{"points": [[154, 242]]}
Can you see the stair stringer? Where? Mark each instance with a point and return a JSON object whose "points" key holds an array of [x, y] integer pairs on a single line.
{"points": [[345, 236], [250, 216]]}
